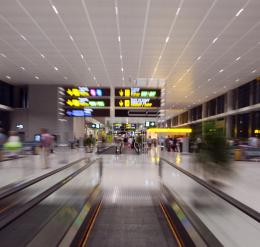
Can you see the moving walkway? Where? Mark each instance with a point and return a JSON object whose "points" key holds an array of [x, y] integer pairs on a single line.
{"points": [[74, 210]]}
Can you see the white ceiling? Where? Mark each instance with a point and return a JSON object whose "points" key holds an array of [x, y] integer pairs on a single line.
{"points": [[189, 62]]}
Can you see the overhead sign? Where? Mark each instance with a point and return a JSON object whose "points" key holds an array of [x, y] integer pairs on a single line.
{"points": [[87, 102], [138, 102], [87, 112], [95, 126], [138, 92], [137, 113], [149, 124], [87, 92], [124, 126]]}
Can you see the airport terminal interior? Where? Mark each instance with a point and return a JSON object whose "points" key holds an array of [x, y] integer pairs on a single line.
{"points": [[129, 123]]}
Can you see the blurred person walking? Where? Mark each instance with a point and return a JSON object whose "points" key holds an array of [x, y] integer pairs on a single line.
{"points": [[2, 141], [13, 144], [46, 144]]}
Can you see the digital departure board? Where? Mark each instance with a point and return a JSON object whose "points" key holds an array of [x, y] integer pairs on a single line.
{"points": [[87, 112], [87, 102], [87, 92], [138, 92], [137, 102]]}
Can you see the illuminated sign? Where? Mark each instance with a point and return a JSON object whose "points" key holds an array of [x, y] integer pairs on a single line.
{"points": [[150, 124], [86, 102], [86, 92], [257, 131], [124, 126], [87, 112], [137, 113], [137, 92], [170, 130], [95, 126], [138, 102]]}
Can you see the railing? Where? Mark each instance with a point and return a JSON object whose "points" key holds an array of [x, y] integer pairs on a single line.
{"points": [[231, 222]]}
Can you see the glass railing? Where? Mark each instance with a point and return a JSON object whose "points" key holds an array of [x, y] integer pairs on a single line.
{"points": [[230, 224]]}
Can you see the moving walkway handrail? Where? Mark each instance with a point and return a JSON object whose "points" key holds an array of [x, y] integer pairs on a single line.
{"points": [[18, 186], [11, 216], [239, 205]]}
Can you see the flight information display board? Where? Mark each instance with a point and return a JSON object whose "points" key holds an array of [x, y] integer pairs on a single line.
{"points": [[138, 92], [87, 102], [87, 92], [87, 112], [138, 102]]}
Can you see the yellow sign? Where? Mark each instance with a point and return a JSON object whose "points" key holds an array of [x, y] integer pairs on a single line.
{"points": [[170, 130], [85, 103], [257, 131], [127, 93]]}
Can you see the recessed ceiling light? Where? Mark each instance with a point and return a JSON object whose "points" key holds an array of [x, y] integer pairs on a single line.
{"points": [[186, 96], [209, 79], [160, 57], [121, 57], [238, 58], [94, 78], [214, 40], [199, 58], [237, 80], [3, 55], [42, 56], [239, 12], [116, 9], [178, 11], [221, 71], [56, 68], [22, 68], [82, 56], [23, 37], [36, 77], [119, 39], [122, 69], [167, 39], [89, 68], [65, 77], [254, 71], [71, 38], [214, 92], [8, 77], [55, 10], [193, 103]]}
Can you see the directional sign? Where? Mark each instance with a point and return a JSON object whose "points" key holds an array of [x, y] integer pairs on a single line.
{"points": [[137, 113], [87, 112], [138, 92], [137, 102], [87, 102], [87, 92]]}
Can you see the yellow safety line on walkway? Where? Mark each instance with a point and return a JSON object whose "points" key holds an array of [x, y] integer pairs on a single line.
{"points": [[93, 220], [171, 225]]}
